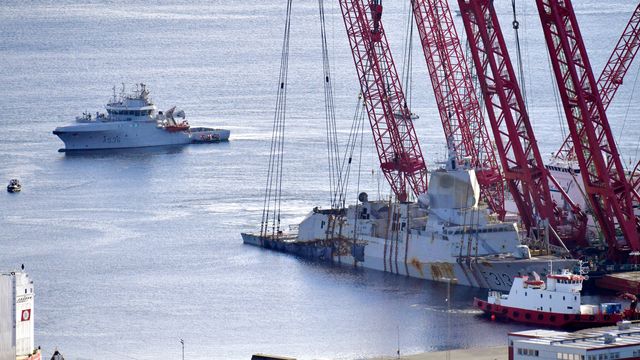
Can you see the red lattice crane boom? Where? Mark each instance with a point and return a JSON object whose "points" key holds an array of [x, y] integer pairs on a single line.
{"points": [[460, 112], [614, 71], [398, 148], [606, 186], [527, 178]]}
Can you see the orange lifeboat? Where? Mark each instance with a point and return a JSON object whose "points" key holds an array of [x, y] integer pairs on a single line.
{"points": [[534, 283]]}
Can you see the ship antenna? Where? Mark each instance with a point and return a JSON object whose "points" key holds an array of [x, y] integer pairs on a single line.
{"points": [[114, 93]]}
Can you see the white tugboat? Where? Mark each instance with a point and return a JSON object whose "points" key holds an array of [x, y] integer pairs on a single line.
{"points": [[556, 302], [446, 236], [132, 120]]}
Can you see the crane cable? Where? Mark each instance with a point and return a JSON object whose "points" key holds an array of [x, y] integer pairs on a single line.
{"points": [[407, 58], [273, 189], [477, 89], [516, 26], [559, 110], [444, 75], [355, 132], [624, 121], [333, 153]]}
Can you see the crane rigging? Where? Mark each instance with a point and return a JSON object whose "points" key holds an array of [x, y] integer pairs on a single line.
{"points": [[336, 180], [606, 186], [613, 73], [460, 112], [272, 204], [396, 142], [527, 177]]}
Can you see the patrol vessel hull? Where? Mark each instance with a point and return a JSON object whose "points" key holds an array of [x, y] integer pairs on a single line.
{"points": [[118, 134], [133, 121]]}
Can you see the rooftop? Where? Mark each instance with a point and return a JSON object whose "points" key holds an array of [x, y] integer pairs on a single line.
{"points": [[625, 334]]}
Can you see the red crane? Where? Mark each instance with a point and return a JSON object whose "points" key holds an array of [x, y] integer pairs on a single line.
{"points": [[635, 179], [614, 71], [398, 148], [460, 112], [527, 178], [604, 178]]}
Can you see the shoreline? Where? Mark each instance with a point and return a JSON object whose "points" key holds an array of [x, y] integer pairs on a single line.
{"points": [[489, 353]]}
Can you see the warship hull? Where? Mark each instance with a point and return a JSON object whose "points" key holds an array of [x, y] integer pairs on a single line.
{"points": [[489, 272]]}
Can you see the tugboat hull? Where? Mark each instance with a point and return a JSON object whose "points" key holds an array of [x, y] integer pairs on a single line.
{"points": [[547, 319]]}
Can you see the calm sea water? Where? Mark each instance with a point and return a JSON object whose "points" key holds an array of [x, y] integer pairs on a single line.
{"points": [[131, 251]]}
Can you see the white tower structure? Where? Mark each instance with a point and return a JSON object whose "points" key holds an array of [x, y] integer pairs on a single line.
{"points": [[16, 316]]}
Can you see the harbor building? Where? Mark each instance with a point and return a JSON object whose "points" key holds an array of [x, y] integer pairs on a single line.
{"points": [[617, 342]]}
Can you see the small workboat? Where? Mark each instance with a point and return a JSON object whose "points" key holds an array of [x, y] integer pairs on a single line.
{"points": [[554, 303], [14, 186], [208, 135], [413, 116], [57, 355]]}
